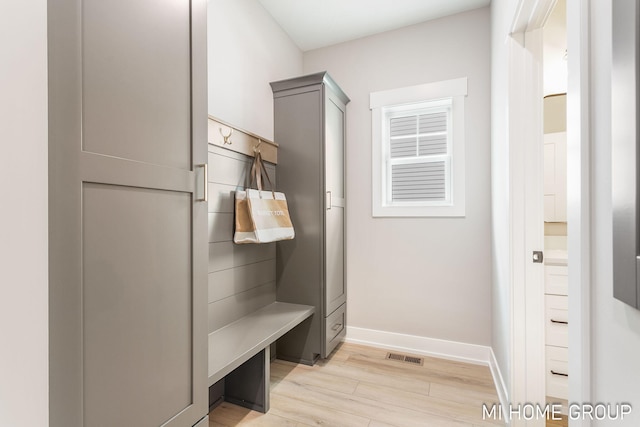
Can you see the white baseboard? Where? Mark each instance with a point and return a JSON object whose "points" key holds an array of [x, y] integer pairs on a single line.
{"points": [[501, 387], [471, 353]]}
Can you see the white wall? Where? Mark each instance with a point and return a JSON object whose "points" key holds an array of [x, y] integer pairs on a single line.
{"points": [[554, 50], [247, 50], [24, 356], [502, 12], [615, 326], [429, 277]]}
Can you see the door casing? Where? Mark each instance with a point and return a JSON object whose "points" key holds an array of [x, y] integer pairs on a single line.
{"points": [[525, 105]]}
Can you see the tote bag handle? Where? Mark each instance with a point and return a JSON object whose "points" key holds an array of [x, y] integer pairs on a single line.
{"points": [[257, 170]]}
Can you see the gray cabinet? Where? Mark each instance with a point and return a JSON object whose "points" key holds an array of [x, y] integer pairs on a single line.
{"points": [[310, 114], [127, 239]]}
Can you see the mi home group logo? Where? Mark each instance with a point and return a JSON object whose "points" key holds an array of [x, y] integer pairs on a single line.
{"points": [[577, 411]]}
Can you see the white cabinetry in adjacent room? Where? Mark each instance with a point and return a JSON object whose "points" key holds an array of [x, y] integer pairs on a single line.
{"points": [[556, 325], [555, 177]]}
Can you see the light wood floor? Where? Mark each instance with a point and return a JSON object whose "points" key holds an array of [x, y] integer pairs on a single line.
{"points": [[357, 386], [564, 422]]}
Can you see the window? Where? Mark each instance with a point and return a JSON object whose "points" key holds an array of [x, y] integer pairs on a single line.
{"points": [[418, 150]]}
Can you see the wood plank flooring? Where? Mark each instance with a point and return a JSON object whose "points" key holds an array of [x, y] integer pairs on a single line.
{"points": [[358, 387], [564, 422]]}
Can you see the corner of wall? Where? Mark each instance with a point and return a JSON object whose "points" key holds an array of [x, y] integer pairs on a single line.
{"points": [[498, 380], [452, 350]]}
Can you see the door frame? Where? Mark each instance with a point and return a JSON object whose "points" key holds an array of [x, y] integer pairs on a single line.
{"points": [[579, 202], [525, 124], [525, 88]]}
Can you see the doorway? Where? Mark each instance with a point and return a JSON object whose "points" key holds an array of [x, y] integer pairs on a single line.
{"points": [[556, 281], [525, 122]]}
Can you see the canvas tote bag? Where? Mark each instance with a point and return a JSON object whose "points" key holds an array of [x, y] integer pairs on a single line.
{"points": [[261, 216]]}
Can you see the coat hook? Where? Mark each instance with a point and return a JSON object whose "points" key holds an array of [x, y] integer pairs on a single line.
{"points": [[226, 137], [256, 148]]}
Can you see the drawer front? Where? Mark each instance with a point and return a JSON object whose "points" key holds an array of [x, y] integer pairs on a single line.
{"points": [[556, 320], [335, 329], [557, 380], [556, 279]]}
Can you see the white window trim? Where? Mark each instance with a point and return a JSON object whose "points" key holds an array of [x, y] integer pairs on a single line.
{"points": [[456, 90]]}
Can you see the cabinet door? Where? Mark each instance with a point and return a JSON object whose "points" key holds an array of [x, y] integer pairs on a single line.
{"points": [[335, 291], [555, 177], [128, 251]]}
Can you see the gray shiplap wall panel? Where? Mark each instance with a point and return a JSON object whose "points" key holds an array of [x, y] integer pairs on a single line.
{"points": [[221, 197], [223, 255], [241, 277], [220, 227], [230, 309], [232, 168], [228, 170], [224, 283]]}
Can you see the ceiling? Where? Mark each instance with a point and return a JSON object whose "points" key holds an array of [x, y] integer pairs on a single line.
{"points": [[313, 24]]}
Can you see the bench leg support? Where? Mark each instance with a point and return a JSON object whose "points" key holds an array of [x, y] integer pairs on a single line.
{"points": [[248, 385]]}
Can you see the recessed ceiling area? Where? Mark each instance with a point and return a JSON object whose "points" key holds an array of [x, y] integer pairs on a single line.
{"points": [[313, 24]]}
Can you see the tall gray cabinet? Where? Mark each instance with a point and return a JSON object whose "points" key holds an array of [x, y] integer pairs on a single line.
{"points": [[310, 117], [127, 213]]}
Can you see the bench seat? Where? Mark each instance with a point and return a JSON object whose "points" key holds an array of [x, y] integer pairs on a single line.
{"points": [[237, 342]]}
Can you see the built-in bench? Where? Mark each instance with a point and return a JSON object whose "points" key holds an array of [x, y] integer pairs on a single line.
{"points": [[244, 318], [239, 354]]}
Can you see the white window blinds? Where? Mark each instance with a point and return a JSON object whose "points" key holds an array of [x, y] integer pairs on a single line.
{"points": [[418, 181], [418, 158]]}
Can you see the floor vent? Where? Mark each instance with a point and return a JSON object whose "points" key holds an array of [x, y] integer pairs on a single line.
{"points": [[403, 358]]}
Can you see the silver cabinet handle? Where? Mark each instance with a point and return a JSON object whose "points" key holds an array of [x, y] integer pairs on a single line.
{"points": [[336, 326], [562, 322], [205, 197], [328, 201]]}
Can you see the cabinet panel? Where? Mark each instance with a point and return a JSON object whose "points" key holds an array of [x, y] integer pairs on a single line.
{"points": [[561, 176], [556, 279], [549, 208], [137, 305], [557, 318], [557, 369], [335, 289], [334, 146], [549, 172], [298, 130], [335, 294], [335, 328], [136, 101], [555, 177]]}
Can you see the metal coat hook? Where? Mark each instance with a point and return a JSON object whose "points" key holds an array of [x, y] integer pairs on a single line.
{"points": [[256, 148], [226, 137]]}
